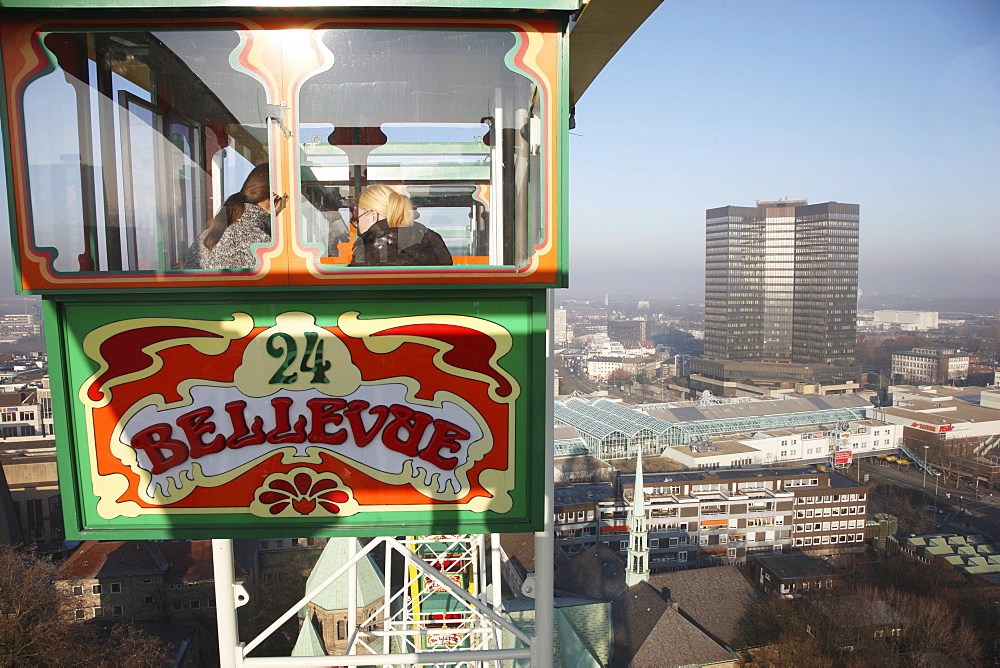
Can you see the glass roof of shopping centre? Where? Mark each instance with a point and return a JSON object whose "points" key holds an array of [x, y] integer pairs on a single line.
{"points": [[601, 417]]}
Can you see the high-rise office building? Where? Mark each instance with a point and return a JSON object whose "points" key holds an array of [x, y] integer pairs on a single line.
{"points": [[633, 331], [560, 331], [781, 282]]}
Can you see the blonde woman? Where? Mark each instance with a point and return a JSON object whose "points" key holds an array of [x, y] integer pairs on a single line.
{"points": [[388, 235]]}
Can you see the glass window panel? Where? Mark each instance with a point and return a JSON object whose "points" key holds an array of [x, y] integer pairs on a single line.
{"points": [[439, 116], [132, 139]]}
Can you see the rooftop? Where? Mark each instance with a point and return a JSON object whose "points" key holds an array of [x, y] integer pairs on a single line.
{"points": [[675, 642], [174, 559], [969, 394], [717, 448], [836, 480], [973, 553], [761, 408], [793, 566], [584, 493], [943, 412]]}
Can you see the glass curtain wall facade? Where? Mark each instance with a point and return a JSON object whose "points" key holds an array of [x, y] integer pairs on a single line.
{"points": [[781, 282]]}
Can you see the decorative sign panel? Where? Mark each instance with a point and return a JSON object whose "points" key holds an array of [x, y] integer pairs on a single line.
{"points": [[310, 418]]}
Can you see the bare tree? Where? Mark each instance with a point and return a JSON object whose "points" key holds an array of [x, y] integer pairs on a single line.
{"points": [[33, 614], [36, 628], [125, 645]]}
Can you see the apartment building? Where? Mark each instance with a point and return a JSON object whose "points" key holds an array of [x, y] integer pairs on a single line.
{"points": [[159, 581], [600, 367], [930, 365], [560, 329], [702, 519], [28, 466]]}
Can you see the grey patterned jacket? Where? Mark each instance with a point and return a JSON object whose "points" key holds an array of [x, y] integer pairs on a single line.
{"points": [[233, 249]]}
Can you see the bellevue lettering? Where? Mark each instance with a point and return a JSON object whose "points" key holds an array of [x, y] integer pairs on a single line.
{"points": [[399, 428]]}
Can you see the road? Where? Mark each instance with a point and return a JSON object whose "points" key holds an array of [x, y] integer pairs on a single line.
{"points": [[965, 511]]}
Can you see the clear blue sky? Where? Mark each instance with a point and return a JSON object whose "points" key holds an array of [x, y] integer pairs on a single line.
{"points": [[890, 104]]}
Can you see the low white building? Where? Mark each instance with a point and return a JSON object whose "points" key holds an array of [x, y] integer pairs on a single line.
{"points": [[600, 367], [612, 349], [907, 321], [716, 433], [805, 444]]}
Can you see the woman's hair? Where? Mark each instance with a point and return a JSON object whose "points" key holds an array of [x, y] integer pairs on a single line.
{"points": [[256, 188], [395, 208]]}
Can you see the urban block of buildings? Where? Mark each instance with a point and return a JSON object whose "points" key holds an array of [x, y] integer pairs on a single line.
{"points": [[955, 429], [726, 517], [718, 433], [14, 326]]}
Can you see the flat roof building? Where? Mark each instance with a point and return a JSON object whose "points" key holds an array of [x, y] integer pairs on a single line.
{"points": [[709, 518]]}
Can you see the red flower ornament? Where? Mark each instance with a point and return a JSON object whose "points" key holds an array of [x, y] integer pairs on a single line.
{"points": [[303, 493]]}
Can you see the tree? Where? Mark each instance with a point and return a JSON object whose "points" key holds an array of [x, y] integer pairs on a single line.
{"points": [[36, 628], [122, 644], [32, 612], [619, 377], [863, 625]]}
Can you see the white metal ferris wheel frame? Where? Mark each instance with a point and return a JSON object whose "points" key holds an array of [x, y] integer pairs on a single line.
{"points": [[483, 622], [467, 627]]}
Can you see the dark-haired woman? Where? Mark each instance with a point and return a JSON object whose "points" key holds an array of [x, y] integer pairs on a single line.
{"points": [[243, 221]]}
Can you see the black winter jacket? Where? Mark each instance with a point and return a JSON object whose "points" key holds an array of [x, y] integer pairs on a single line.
{"points": [[411, 246]]}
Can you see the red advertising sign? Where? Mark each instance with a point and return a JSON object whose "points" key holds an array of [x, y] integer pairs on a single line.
{"points": [[843, 457]]}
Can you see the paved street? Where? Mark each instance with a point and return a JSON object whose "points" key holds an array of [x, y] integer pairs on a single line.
{"points": [[962, 507]]}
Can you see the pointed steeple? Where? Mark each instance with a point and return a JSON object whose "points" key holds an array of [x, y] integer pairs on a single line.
{"points": [[637, 568], [639, 495]]}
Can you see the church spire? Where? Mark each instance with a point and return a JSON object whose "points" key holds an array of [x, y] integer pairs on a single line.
{"points": [[637, 568]]}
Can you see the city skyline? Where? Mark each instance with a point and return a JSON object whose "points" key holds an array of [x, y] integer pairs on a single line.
{"points": [[717, 103]]}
